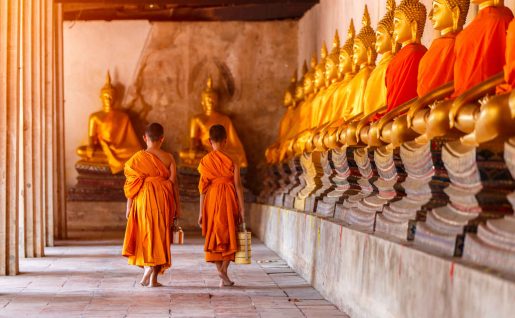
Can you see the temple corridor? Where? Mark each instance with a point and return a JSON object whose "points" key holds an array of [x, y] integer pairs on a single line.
{"points": [[91, 279]]}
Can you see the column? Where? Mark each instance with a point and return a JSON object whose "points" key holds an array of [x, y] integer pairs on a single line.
{"points": [[9, 130]]}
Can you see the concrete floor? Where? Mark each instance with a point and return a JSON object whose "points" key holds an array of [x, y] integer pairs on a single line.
{"points": [[91, 279]]}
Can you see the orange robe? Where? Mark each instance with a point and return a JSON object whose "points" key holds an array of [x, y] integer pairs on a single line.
{"points": [[480, 48], [437, 65], [401, 75], [509, 68], [147, 236], [220, 209]]}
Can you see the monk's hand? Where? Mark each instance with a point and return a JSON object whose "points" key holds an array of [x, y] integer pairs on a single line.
{"points": [[127, 213], [200, 220]]}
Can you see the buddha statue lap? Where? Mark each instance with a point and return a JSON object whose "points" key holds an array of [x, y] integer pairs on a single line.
{"points": [[112, 140], [199, 131]]}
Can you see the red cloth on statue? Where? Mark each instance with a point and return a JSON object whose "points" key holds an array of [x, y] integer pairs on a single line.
{"points": [[509, 68], [480, 48], [437, 65], [401, 75]]}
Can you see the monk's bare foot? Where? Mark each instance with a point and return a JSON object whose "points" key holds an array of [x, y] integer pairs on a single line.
{"points": [[224, 280], [155, 284], [145, 280]]}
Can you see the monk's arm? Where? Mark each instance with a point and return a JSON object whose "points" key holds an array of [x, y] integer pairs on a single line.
{"points": [[129, 204], [239, 192], [202, 195], [175, 183]]}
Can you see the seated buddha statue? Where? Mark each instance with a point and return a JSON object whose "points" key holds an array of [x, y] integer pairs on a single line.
{"points": [[479, 51], [111, 137], [490, 121], [199, 131], [374, 100], [448, 17], [402, 73], [344, 69], [320, 89], [364, 56]]}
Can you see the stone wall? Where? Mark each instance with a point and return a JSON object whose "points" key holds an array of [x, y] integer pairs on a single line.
{"points": [[161, 68], [368, 276]]}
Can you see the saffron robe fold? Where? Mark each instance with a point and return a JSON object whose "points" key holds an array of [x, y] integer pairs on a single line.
{"points": [[220, 208], [437, 65], [375, 92], [480, 48], [117, 138], [354, 96], [337, 101], [509, 68], [147, 235], [402, 73]]}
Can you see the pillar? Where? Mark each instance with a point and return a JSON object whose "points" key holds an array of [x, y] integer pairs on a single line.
{"points": [[9, 130]]}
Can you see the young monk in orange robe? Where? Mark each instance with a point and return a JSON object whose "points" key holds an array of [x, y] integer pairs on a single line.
{"points": [[152, 204], [478, 56], [401, 75], [221, 204]]}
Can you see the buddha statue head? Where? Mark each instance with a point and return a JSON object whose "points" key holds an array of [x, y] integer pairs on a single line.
{"points": [[364, 52], [449, 15], [209, 97], [332, 61], [289, 94], [107, 94], [320, 69], [309, 78], [384, 34], [299, 86], [345, 65], [409, 21]]}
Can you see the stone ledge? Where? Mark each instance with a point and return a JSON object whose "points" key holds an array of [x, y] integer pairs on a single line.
{"points": [[367, 275]]}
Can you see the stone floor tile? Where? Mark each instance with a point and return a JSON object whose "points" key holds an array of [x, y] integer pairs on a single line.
{"points": [[91, 279]]}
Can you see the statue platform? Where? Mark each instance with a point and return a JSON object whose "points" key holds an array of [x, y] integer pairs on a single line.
{"points": [[95, 182]]}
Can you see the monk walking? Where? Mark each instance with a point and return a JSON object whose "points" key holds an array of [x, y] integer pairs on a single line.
{"points": [[221, 204], [152, 204]]}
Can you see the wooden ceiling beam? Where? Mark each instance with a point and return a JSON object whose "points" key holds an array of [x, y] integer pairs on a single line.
{"points": [[187, 3], [248, 12]]}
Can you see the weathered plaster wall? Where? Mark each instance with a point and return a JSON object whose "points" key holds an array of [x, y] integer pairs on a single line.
{"points": [[250, 63], [90, 49], [368, 276], [322, 20]]}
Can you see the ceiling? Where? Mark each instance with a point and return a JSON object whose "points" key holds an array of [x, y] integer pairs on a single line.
{"points": [[185, 10]]}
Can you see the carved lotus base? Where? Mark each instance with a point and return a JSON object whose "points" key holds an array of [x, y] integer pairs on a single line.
{"points": [[95, 182]]}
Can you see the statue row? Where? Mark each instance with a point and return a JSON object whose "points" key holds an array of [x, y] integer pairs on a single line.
{"points": [[419, 146]]}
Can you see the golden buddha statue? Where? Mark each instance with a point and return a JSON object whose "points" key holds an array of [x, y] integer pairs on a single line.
{"points": [[320, 88], [375, 92], [402, 72], [479, 50], [111, 137], [448, 18], [364, 56], [330, 137], [199, 131]]}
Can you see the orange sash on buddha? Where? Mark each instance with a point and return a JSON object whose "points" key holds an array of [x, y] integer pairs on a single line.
{"points": [[147, 236], [402, 73], [220, 209], [509, 68], [480, 48], [441, 53]]}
